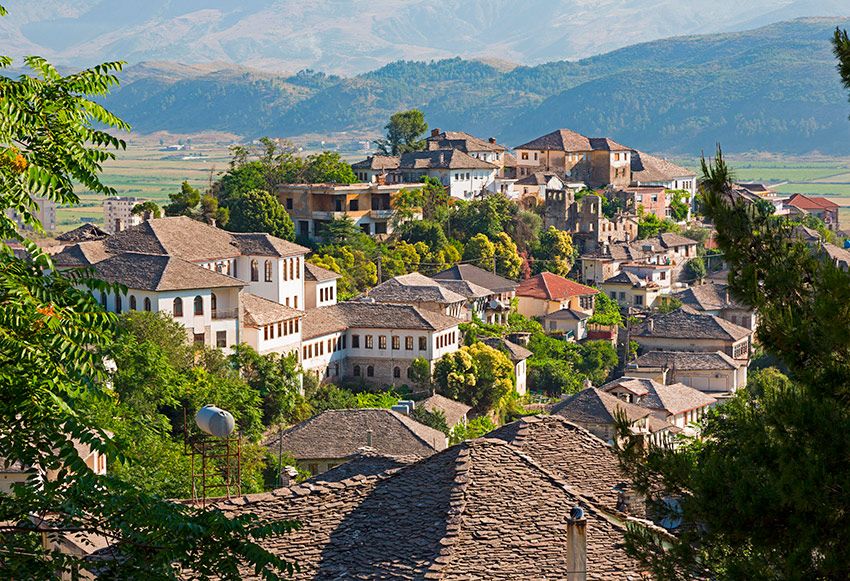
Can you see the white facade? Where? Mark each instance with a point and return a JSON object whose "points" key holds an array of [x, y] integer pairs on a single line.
{"points": [[319, 294], [281, 337], [277, 279], [118, 213]]}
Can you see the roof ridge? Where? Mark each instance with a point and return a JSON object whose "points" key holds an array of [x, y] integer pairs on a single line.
{"points": [[401, 420]]}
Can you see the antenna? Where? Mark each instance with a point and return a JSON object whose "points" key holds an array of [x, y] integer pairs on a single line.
{"points": [[219, 449]]}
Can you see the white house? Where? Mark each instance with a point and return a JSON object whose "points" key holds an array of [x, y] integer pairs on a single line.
{"points": [[463, 175], [319, 286]]}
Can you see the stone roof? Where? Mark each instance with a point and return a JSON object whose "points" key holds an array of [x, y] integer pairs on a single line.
{"points": [[686, 360], [454, 411], [262, 244], [567, 140], [337, 434], [685, 323], [592, 405], [479, 276], [708, 297], [468, 290], [626, 277], [160, 273], [649, 169], [81, 254], [479, 510], [365, 462], [567, 315], [671, 240], [675, 398], [442, 159], [547, 285], [377, 162], [462, 141], [258, 311], [514, 352], [840, 256], [538, 178], [371, 315], [572, 453], [413, 288], [606, 144], [318, 273], [83, 233]]}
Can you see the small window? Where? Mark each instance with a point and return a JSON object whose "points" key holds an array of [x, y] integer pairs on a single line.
{"points": [[355, 341], [370, 371], [118, 306], [132, 302], [370, 341], [199, 305], [409, 373], [178, 307], [288, 203], [408, 343], [291, 269], [396, 342], [221, 339], [423, 343], [354, 205], [147, 304], [396, 372], [524, 155], [280, 329], [103, 298], [356, 371], [268, 270], [199, 338], [255, 271], [382, 342]]}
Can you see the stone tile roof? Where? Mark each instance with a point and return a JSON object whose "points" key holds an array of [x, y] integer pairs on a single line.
{"points": [[81, 254], [318, 273], [606, 144], [442, 159], [515, 352], [686, 360], [547, 285], [626, 277], [708, 297], [479, 276], [575, 455], [685, 323], [336, 434], [258, 311], [83, 233], [462, 141], [377, 162], [650, 169], [262, 244], [538, 178], [840, 256], [369, 315], [160, 273], [413, 288], [455, 411], [468, 290], [592, 405], [559, 140], [567, 315], [675, 398], [479, 510], [365, 462], [671, 240]]}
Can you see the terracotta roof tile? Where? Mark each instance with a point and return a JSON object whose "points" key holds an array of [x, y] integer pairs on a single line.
{"points": [[547, 285]]}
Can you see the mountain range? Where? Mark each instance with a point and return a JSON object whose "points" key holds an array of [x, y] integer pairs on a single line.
{"points": [[774, 88]]}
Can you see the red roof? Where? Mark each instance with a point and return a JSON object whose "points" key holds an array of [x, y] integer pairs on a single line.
{"points": [[553, 287], [811, 203]]}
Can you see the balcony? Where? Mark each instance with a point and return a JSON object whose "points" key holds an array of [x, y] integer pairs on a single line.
{"points": [[317, 215], [382, 214], [218, 314]]}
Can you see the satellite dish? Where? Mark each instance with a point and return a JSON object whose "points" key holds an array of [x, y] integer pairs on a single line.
{"points": [[215, 421]]}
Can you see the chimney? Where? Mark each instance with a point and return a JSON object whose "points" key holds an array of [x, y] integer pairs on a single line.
{"points": [[288, 474], [369, 438], [435, 132], [651, 324], [492, 140], [587, 384], [577, 545]]}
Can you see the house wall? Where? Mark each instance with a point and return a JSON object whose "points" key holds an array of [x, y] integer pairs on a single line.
{"points": [[535, 307], [319, 294], [565, 326], [280, 337], [287, 279], [628, 295], [692, 344], [466, 183], [521, 373]]}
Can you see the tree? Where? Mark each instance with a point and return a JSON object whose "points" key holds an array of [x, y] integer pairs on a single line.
{"points": [[679, 204], [259, 211], [480, 251], [508, 260], [760, 493], [650, 226], [427, 231], [841, 49], [358, 272], [435, 419], [696, 268], [328, 168], [52, 372], [596, 360], [147, 210], [277, 380], [556, 252], [474, 428], [488, 215], [606, 311], [202, 207], [404, 132], [478, 375], [525, 229], [420, 372], [341, 231]]}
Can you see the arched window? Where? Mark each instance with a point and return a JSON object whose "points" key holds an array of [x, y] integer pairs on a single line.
{"points": [[268, 270], [285, 270], [396, 372], [199, 305], [103, 298], [147, 304], [132, 302], [255, 271], [178, 307], [118, 306], [356, 371], [370, 371], [409, 373], [213, 304], [292, 269]]}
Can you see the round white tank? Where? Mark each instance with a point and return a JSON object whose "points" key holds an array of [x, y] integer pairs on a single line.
{"points": [[215, 421]]}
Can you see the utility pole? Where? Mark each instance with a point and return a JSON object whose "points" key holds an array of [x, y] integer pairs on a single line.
{"points": [[380, 273]]}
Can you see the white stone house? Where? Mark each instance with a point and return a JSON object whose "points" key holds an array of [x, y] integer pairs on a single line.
{"points": [[319, 286]]}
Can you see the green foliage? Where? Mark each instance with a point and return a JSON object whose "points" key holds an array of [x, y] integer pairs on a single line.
{"points": [[428, 232], [696, 268], [841, 50], [596, 360], [472, 429], [276, 379], [669, 304], [330, 397], [478, 375], [508, 260], [435, 419], [488, 215], [611, 206], [259, 211], [358, 272], [148, 209], [420, 372], [679, 204], [481, 252], [650, 226], [606, 311], [404, 133], [343, 231], [327, 168], [190, 202], [556, 252]]}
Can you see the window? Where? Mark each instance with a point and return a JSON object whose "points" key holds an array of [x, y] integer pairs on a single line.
{"points": [[535, 156], [177, 309], [524, 155], [280, 329], [355, 341], [396, 372], [221, 339], [409, 373], [354, 205], [132, 302], [616, 157], [147, 304], [370, 371], [271, 331], [586, 302], [118, 306], [382, 342], [638, 300], [343, 341], [199, 305], [255, 271], [103, 298], [396, 342], [370, 341], [423, 343], [288, 203], [267, 267], [380, 227], [198, 338], [265, 333], [408, 343], [356, 371], [291, 269], [295, 301]]}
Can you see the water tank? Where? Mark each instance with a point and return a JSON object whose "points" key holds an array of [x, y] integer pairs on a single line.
{"points": [[215, 421]]}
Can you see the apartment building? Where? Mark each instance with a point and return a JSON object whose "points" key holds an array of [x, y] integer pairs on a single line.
{"points": [[118, 213]]}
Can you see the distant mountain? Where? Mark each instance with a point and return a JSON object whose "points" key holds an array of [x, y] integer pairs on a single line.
{"points": [[353, 36], [770, 89]]}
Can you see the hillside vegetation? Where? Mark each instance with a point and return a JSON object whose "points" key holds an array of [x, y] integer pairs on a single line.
{"points": [[773, 88]]}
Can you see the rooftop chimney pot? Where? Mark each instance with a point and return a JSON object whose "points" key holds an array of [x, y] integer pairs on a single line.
{"points": [[435, 132]]}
